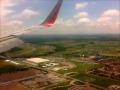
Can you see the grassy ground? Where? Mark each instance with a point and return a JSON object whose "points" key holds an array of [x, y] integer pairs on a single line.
{"points": [[19, 51], [6, 67], [62, 88], [100, 81], [68, 49], [59, 88], [80, 67]]}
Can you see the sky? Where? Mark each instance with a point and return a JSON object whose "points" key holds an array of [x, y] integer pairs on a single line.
{"points": [[75, 16]]}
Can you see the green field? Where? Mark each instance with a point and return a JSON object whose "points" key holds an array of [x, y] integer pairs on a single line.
{"points": [[6, 67], [80, 67], [100, 81], [68, 47], [60, 86], [67, 50], [19, 51]]}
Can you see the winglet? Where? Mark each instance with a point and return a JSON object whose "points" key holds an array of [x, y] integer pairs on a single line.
{"points": [[50, 20]]}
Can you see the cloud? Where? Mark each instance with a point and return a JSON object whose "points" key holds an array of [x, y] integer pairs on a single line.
{"points": [[111, 13], [81, 15], [4, 4], [5, 12], [15, 22], [80, 23], [104, 19], [63, 22], [85, 26], [81, 5], [84, 20], [108, 17], [107, 22], [27, 13], [9, 26]]}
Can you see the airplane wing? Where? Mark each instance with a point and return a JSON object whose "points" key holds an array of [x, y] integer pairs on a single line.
{"points": [[53, 15], [49, 21]]}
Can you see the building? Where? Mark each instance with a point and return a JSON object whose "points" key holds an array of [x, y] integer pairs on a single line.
{"points": [[36, 61]]}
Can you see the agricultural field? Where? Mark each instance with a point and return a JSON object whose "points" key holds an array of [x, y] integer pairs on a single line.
{"points": [[60, 86], [6, 67], [67, 46], [75, 52], [106, 82], [80, 67]]}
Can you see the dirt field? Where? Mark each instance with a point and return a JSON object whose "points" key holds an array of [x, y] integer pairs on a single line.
{"points": [[13, 86], [17, 75]]}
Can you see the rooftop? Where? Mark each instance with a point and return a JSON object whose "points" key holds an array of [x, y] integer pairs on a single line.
{"points": [[37, 60]]}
